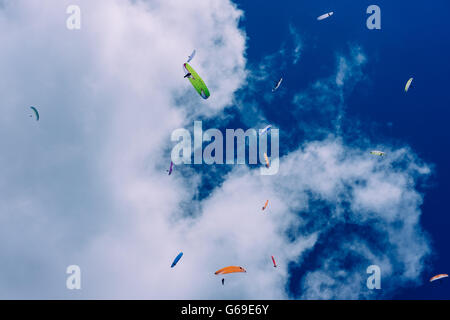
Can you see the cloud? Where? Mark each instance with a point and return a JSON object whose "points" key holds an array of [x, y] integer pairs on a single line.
{"points": [[320, 109], [352, 69], [375, 200], [298, 44], [109, 95]]}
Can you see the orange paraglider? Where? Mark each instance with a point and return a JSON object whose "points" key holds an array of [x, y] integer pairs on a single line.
{"points": [[439, 276], [230, 269], [267, 160], [265, 205]]}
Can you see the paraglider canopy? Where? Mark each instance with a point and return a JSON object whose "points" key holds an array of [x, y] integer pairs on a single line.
{"points": [[177, 258], [266, 129], [191, 56], [377, 152], [274, 263], [439, 276], [277, 85], [267, 160], [36, 113], [196, 81], [324, 16], [171, 168], [408, 84], [230, 269]]}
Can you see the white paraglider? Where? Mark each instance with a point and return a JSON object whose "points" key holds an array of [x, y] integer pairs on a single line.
{"points": [[324, 16]]}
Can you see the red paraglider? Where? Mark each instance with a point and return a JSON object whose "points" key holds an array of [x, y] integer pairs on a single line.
{"points": [[274, 263]]}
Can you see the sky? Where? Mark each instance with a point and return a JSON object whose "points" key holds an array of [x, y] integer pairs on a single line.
{"points": [[87, 185]]}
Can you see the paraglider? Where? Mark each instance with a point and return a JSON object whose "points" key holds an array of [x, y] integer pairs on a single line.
{"points": [[267, 160], [191, 56], [378, 153], [408, 84], [274, 263], [171, 167], [196, 81], [265, 205], [177, 258], [230, 269], [36, 113], [266, 129], [324, 16], [277, 85], [227, 270], [439, 276]]}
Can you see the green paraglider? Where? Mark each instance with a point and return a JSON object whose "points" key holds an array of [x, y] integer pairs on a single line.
{"points": [[196, 81], [378, 153], [36, 113]]}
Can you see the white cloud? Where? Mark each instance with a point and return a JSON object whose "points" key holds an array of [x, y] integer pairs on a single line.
{"points": [[298, 44], [109, 96], [338, 175], [352, 69]]}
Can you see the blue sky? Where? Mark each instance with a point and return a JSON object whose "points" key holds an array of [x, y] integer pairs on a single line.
{"points": [[87, 184], [412, 42]]}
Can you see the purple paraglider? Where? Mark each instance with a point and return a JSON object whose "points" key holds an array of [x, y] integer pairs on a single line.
{"points": [[171, 168]]}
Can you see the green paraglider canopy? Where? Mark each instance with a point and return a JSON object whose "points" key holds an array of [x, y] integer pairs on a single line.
{"points": [[196, 81], [36, 113]]}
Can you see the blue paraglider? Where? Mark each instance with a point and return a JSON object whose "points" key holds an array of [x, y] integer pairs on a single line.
{"points": [[178, 257]]}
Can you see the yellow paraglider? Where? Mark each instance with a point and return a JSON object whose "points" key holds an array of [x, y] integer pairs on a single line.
{"points": [[408, 84], [378, 153]]}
